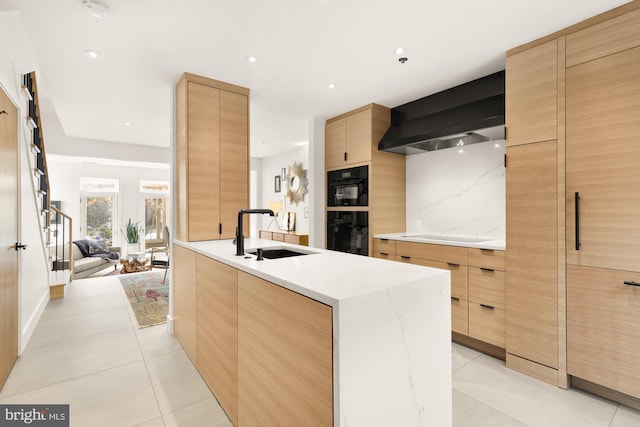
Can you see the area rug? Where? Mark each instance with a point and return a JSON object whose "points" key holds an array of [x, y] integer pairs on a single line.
{"points": [[148, 296]]}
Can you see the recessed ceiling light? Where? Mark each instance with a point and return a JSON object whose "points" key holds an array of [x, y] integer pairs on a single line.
{"points": [[332, 86], [399, 51], [126, 123], [264, 142], [252, 58], [92, 54], [497, 145], [96, 8]]}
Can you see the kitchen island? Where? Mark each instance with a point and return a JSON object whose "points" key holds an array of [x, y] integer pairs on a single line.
{"points": [[387, 327]]}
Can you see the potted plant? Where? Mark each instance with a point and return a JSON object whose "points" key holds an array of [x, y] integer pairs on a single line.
{"points": [[132, 236]]}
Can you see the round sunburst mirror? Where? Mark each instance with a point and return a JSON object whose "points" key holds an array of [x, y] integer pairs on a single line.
{"points": [[297, 183]]}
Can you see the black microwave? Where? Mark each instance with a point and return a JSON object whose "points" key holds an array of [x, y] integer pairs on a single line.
{"points": [[348, 187]]}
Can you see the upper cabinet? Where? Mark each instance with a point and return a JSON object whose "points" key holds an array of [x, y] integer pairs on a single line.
{"points": [[608, 37], [531, 94], [348, 137], [212, 157]]}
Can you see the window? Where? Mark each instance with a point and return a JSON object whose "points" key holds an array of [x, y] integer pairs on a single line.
{"points": [[154, 196], [99, 199]]}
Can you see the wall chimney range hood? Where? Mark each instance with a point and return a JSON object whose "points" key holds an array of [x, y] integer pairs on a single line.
{"points": [[467, 114]]}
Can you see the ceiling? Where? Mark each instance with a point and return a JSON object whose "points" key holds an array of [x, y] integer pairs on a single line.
{"points": [[302, 46]]}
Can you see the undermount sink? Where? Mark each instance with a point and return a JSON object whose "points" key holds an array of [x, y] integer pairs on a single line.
{"points": [[277, 253], [459, 239]]}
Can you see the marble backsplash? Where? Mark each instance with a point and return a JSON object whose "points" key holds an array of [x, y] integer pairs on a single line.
{"points": [[457, 192]]}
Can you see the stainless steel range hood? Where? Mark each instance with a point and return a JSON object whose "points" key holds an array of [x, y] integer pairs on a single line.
{"points": [[470, 113]]}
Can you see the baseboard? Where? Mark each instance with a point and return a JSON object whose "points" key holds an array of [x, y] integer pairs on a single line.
{"points": [[490, 349], [170, 324], [605, 392], [30, 327]]}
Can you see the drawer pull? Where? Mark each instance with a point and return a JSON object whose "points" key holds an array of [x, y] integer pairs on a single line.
{"points": [[487, 306], [452, 264], [384, 240], [405, 257], [487, 269], [455, 298], [631, 283], [384, 253], [487, 250]]}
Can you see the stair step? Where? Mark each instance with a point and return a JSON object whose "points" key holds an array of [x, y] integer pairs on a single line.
{"points": [[35, 150], [26, 93], [58, 280], [31, 123]]}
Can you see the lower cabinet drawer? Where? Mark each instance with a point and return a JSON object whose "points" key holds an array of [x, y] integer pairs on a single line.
{"points": [[460, 316], [384, 255], [279, 237], [486, 324]]}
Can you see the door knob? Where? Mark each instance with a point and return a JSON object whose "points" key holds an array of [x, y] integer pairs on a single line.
{"points": [[19, 246]]}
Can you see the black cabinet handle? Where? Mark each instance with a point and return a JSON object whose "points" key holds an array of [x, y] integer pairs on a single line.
{"points": [[384, 240], [487, 269], [455, 298], [631, 283], [487, 250], [220, 228], [487, 306], [577, 209], [451, 264], [405, 257], [384, 253], [345, 156]]}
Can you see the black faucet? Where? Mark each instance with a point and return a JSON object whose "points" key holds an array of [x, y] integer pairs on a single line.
{"points": [[239, 236]]}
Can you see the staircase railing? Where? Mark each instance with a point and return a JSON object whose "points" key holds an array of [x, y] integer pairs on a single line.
{"points": [[30, 87], [61, 240]]}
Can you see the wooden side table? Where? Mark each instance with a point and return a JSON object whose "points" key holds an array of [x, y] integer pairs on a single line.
{"points": [[134, 265]]}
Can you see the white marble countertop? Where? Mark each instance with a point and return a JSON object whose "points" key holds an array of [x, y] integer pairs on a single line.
{"points": [[326, 276], [449, 240]]}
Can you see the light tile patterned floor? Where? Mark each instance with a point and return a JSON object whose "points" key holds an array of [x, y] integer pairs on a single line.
{"points": [[87, 351]]}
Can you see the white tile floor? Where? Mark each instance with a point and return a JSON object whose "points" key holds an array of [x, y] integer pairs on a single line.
{"points": [[88, 351]]}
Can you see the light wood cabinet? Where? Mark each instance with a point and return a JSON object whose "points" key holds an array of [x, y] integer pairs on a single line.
{"points": [[597, 109], [603, 107], [285, 236], [603, 329], [217, 331], [384, 248], [452, 258], [486, 296], [184, 298], [603, 233], [285, 349], [531, 95], [348, 137], [351, 139], [212, 157], [606, 38], [532, 253]]}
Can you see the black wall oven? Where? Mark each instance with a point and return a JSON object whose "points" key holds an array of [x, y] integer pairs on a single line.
{"points": [[348, 187], [348, 231]]}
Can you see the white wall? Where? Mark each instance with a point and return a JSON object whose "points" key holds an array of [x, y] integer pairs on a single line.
{"points": [[64, 178], [458, 193], [272, 166], [33, 263]]}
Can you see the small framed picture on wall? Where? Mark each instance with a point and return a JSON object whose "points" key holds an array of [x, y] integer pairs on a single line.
{"points": [[276, 184]]}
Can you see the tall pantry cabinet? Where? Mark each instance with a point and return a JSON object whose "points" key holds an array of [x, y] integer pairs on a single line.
{"points": [[596, 270], [212, 157], [534, 212], [603, 203]]}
